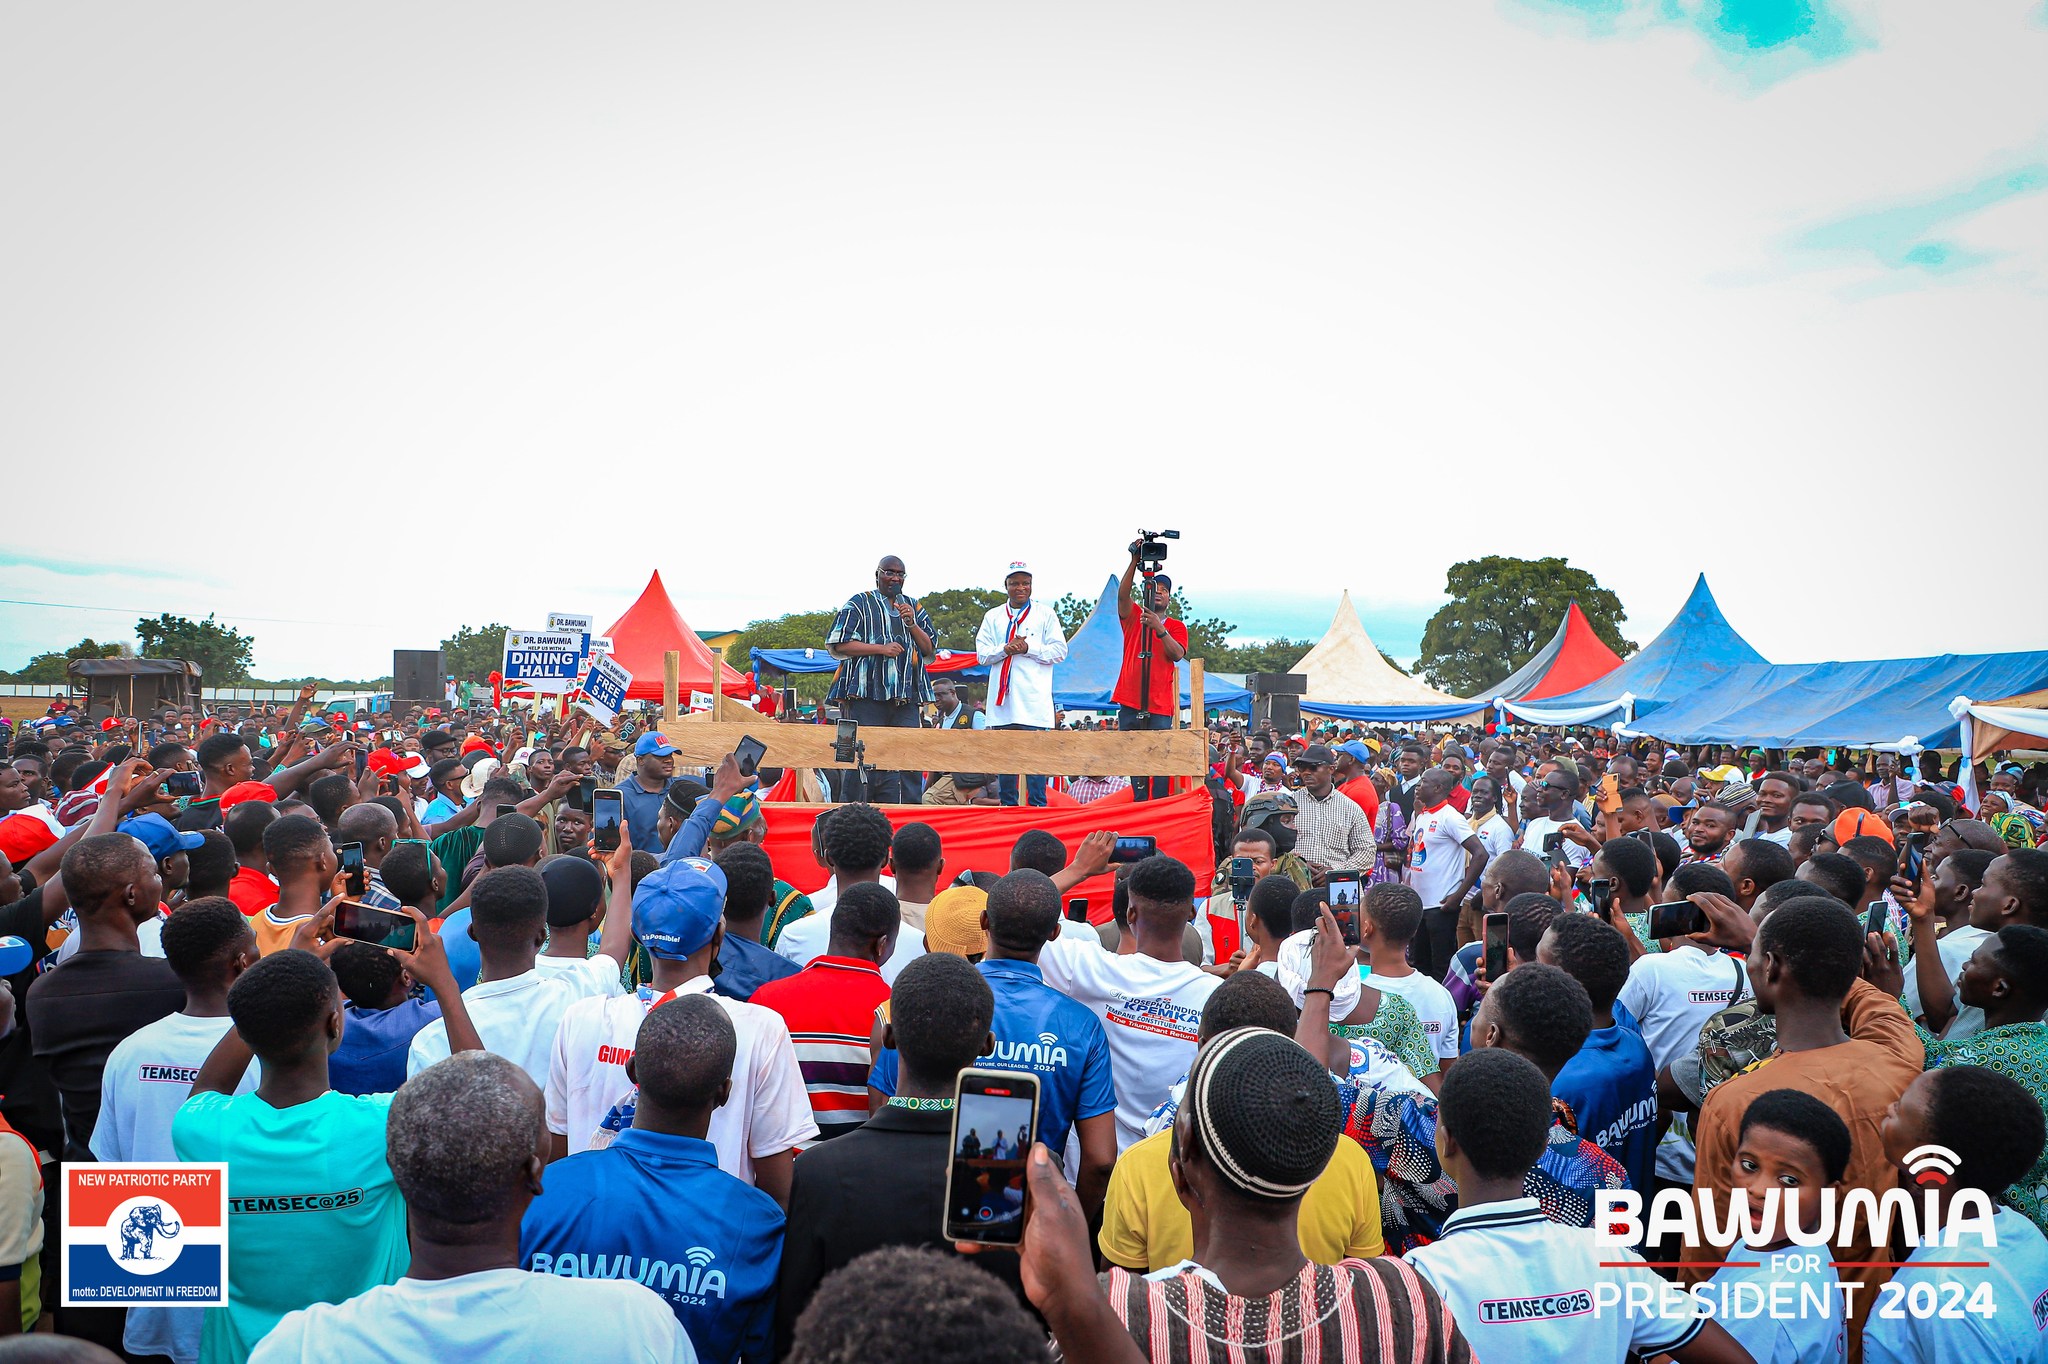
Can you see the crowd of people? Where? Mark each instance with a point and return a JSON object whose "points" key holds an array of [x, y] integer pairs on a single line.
{"points": [[651, 1101]]}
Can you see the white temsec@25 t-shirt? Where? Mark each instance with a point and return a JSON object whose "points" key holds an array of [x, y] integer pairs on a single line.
{"points": [[1151, 1011]]}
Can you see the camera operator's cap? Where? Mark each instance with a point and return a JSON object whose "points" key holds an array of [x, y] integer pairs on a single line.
{"points": [[1315, 755], [246, 790], [952, 922], [160, 836], [653, 744], [677, 908], [1016, 566]]}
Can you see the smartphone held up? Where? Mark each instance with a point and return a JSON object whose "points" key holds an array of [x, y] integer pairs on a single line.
{"points": [[995, 1120]]}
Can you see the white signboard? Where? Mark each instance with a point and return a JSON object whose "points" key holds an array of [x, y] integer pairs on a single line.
{"points": [[546, 660], [571, 624], [700, 700], [604, 690]]}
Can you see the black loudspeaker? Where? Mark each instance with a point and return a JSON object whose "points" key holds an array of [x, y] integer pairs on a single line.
{"points": [[416, 678], [1277, 712], [1277, 684]]}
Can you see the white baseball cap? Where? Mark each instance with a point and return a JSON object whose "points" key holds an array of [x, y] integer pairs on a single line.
{"points": [[1017, 566]]}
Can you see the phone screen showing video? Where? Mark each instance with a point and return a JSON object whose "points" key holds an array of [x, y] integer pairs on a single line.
{"points": [[993, 1126], [605, 820]]}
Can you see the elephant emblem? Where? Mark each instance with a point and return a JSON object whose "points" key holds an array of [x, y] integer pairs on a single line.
{"points": [[140, 1228]]}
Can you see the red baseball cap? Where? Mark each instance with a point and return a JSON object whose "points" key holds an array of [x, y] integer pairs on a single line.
{"points": [[389, 762], [246, 790]]}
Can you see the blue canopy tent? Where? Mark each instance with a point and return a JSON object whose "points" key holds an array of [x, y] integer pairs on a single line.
{"points": [[1893, 703], [1698, 648], [1392, 715]]}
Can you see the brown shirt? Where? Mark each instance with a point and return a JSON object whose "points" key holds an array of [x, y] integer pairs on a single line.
{"points": [[1859, 1079]]}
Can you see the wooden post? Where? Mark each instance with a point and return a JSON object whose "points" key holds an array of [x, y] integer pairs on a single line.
{"points": [[1197, 716], [718, 683], [671, 684]]}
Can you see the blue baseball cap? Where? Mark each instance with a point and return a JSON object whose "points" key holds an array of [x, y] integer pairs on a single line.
{"points": [[677, 908], [1356, 749], [160, 836], [653, 744]]}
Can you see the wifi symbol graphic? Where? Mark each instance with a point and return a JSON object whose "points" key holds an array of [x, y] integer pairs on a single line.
{"points": [[1931, 1164], [1051, 1039], [699, 1256]]}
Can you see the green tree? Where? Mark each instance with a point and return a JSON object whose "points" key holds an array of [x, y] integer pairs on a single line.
{"points": [[957, 613], [798, 630], [51, 667], [474, 652], [221, 651], [1275, 655], [1073, 613], [1502, 611]]}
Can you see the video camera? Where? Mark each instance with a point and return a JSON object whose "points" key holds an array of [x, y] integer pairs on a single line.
{"points": [[1152, 549]]}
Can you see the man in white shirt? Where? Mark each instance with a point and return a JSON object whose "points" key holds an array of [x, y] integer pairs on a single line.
{"points": [[1521, 1286], [1149, 998], [678, 917], [151, 1071], [462, 1142], [949, 711], [1445, 861], [1556, 817], [1019, 642], [576, 904], [515, 1007], [1393, 916], [1673, 994]]}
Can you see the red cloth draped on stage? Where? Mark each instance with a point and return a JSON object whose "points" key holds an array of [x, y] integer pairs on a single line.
{"points": [[979, 837]]}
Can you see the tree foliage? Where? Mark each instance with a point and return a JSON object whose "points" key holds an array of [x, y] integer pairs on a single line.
{"points": [[1502, 611], [222, 652], [49, 668], [1073, 613], [474, 652]]}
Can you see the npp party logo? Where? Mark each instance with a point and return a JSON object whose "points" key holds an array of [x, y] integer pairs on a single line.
{"points": [[138, 1234]]}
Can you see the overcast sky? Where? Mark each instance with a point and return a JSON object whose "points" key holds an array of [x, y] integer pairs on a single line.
{"points": [[355, 324]]}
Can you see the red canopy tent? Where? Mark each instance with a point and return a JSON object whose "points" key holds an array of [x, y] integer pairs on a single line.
{"points": [[650, 629], [1574, 657]]}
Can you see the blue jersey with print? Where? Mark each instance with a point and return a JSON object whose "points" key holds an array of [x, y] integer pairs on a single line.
{"points": [[1043, 1032], [1611, 1086], [655, 1208]]}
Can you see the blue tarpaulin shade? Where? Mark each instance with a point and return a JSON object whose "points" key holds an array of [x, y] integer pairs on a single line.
{"points": [[1880, 701], [1698, 648]]}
